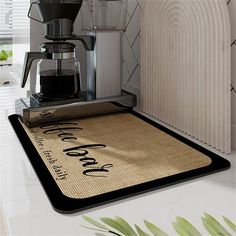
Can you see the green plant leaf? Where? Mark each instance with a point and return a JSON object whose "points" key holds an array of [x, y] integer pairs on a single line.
{"points": [[129, 230], [140, 231], [216, 225], [209, 228], [95, 223], [112, 223], [4, 52], [188, 226], [154, 229], [3, 55], [180, 229], [230, 224]]}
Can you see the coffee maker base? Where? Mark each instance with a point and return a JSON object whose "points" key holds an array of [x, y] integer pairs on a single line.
{"points": [[42, 101], [33, 114]]}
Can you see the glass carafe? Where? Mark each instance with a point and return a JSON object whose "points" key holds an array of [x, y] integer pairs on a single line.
{"points": [[58, 78]]}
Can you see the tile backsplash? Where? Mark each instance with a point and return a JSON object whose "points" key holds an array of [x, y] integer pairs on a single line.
{"points": [[232, 12], [131, 48]]}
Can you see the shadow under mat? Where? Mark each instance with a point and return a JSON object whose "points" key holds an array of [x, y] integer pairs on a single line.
{"points": [[83, 163]]}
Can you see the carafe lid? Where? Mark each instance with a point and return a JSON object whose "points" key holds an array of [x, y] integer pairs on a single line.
{"points": [[57, 47]]}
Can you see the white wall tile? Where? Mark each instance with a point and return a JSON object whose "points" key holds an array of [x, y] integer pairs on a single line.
{"points": [[232, 12], [128, 55], [136, 49], [125, 73], [131, 46], [132, 4], [140, 2], [134, 80], [133, 27]]}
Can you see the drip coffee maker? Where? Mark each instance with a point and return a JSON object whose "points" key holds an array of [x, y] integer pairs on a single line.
{"points": [[58, 71], [58, 92]]}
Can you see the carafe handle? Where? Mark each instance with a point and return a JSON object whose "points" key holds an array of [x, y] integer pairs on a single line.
{"points": [[29, 58]]}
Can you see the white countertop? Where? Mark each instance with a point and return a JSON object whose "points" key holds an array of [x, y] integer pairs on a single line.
{"points": [[26, 210]]}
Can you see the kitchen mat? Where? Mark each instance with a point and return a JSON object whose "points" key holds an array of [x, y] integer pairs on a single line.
{"points": [[86, 162]]}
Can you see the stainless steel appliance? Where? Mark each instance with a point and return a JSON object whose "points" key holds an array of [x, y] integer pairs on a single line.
{"points": [[58, 93]]}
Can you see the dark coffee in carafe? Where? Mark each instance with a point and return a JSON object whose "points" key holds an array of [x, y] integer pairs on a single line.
{"points": [[60, 85]]}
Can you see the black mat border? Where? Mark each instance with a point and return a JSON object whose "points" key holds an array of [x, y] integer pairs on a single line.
{"points": [[66, 205]]}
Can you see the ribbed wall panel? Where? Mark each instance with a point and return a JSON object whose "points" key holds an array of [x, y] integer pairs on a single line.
{"points": [[185, 67]]}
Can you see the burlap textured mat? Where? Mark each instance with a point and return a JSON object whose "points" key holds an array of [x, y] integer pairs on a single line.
{"points": [[99, 156]]}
